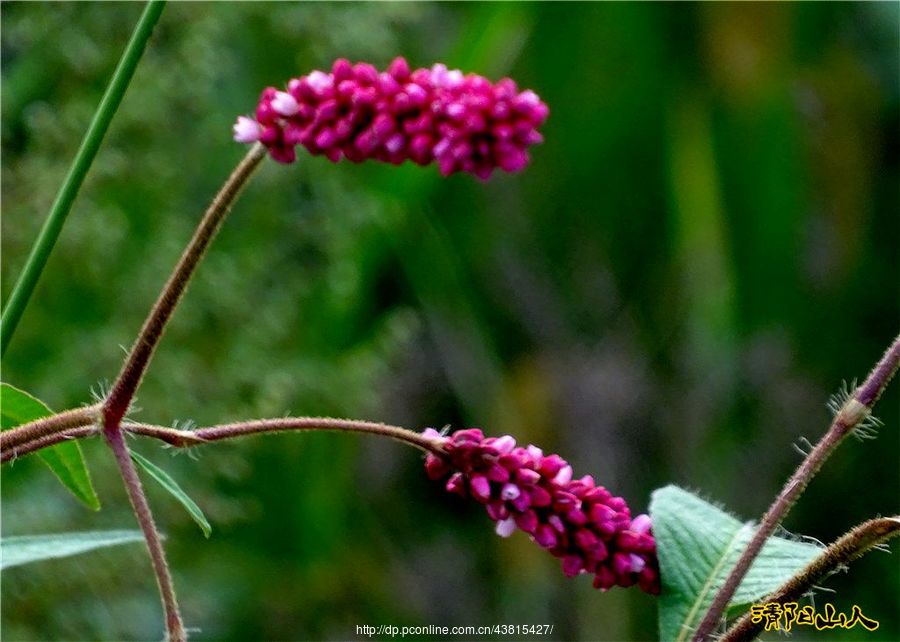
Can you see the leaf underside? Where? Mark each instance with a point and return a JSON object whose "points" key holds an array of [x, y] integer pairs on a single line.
{"points": [[697, 545], [24, 549]]}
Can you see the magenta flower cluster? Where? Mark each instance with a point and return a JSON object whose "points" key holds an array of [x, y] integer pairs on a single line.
{"points": [[461, 122], [574, 519]]}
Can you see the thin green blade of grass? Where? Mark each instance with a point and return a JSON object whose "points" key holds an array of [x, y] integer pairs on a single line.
{"points": [[109, 104]]}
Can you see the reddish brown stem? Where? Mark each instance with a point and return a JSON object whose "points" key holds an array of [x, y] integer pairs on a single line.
{"points": [[132, 372], [10, 454], [847, 548], [851, 415], [188, 438], [174, 625], [14, 437]]}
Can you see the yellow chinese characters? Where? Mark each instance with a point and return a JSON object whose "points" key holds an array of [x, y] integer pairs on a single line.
{"points": [[783, 617]]}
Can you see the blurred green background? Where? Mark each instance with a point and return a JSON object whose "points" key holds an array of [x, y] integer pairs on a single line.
{"points": [[703, 249]]}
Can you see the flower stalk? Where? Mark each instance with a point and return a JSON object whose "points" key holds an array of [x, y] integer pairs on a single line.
{"points": [[126, 384], [190, 438]]}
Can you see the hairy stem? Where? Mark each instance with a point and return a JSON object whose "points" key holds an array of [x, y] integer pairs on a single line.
{"points": [[10, 454], [200, 436], [188, 438], [174, 626], [42, 247], [11, 439], [847, 548], [132, 372], [851, 415]]}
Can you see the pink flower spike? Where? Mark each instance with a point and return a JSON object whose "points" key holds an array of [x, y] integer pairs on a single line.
{"points": [[320, 82], [536, 454], [285, 104], [640, 524], [605, 579], [246, 130], [506, 527], [527, 521], [637, 563], [462, 123], [497, 511], [573, 519], [456, 484], [622, 563], [435, 467], [504, 444], [545, 536], [509, 492], [431, 433], [572, 565], [480, 487], [497, 473], [564, 476], [399, 69]]}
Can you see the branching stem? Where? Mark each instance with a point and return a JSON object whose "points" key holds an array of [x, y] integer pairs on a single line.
{"points": [[851, 415]]}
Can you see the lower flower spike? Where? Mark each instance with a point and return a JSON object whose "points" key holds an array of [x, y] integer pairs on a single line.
{"points": [[581, 523]]}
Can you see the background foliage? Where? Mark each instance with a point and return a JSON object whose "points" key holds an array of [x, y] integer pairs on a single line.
{"points": [[700, 252]]}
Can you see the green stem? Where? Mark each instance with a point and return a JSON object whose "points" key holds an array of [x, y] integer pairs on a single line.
{"points": [[40, 252]]}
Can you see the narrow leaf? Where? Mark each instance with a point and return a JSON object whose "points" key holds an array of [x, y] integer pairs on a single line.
{"points": [[166, 481], [24, 549], [698, 544], [17, 407], [45, 241]]}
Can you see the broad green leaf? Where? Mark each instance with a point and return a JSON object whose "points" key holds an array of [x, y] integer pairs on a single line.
{"points": [[166, 481], [24, 549], [17, 407], [697, 545]]}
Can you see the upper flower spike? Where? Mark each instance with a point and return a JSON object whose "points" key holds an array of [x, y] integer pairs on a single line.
{"points": [[576, 520], [462, 122]]}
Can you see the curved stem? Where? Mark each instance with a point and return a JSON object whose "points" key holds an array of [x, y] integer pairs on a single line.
{"points": [[189, 438], [139, 356], [11, 439], [10, 454], [851, 415], [847, 548], [42, 247], [174, 625]]}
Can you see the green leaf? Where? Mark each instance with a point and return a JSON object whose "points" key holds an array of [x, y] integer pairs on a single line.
{"points": [[697, 545], [166, 481], [45, 241], [17, 407], [24, 549]]}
